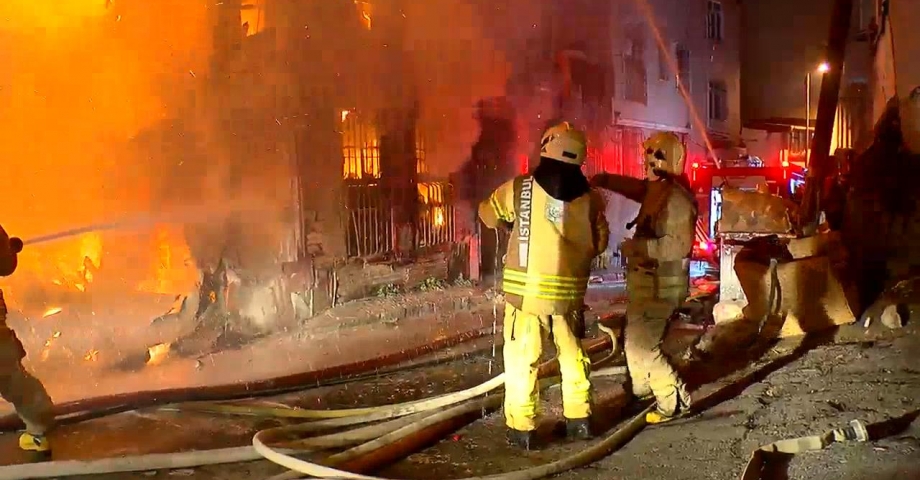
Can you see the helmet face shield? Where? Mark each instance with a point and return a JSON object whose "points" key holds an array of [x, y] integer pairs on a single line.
{"points": [[654, 160]]}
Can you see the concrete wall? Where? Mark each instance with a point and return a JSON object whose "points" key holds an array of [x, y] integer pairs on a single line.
{"points": [[904, 14], [783, 40], [895, 68]]}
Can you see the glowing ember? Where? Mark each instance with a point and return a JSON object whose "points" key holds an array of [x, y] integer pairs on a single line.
{"points": [[51, 312], [91, 356], [47, 350], [365, 10], [55, 335], [439, 216], [157, 353]]}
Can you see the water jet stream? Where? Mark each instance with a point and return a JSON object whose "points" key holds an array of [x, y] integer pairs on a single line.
{"points": [[649, 14], [143, 221]]}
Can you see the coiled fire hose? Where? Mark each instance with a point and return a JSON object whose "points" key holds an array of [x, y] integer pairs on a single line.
{"points": [[404, 420]]}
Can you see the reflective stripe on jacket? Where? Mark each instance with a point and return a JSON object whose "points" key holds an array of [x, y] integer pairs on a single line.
{"points": [[551, 246]]}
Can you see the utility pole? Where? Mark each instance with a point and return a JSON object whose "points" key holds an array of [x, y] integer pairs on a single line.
{"points": [[827, 109]]}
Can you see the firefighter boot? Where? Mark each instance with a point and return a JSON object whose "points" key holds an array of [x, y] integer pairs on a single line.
{"points": [[521, 439], [670, 407], [657, 416], [36, 447], [578, 429]]}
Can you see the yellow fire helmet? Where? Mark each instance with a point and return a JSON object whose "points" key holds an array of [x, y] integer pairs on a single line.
{"points": [[910, 120], [564, 143], [665, 152]]}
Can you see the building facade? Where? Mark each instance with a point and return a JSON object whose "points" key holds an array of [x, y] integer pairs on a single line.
{"points": [[667, 50], [666, 65], [345, 142]]}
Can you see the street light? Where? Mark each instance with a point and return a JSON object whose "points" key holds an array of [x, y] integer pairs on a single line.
{"points": [[823, 68]]}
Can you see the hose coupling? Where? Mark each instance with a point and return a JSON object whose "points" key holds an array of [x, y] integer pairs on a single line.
{"points": [[855, 432]]}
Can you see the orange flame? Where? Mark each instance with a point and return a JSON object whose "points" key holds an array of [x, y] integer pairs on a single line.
{"points": [[157, 353]]}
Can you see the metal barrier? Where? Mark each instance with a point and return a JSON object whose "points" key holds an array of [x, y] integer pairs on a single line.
{"points": [[369, 229], [436, 214], [371, 212]]}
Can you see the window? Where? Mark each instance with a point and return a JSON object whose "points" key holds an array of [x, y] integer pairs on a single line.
{"points": [[714, 26], [252, 16], [718, 101], [360, 148], [663, 67], [683, 66], [635, 74]]}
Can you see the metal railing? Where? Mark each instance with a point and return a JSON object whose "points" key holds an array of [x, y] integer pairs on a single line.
{"points": [[369, 220], [371, 213], [436, 214]]}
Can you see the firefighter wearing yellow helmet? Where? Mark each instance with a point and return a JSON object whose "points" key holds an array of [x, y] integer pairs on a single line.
{"points": [[657, 268], [558, 225], [17, 386]]}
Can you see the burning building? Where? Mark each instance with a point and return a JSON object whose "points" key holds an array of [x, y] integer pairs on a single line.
{"points": [[306, 145], [272, 158]]}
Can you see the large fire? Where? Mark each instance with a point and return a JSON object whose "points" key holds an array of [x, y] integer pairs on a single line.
{"points": [[172, 271], [76, 264], [81, 79]]}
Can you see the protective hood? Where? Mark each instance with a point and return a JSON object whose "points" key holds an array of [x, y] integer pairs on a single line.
{"points": [[562, 181]]}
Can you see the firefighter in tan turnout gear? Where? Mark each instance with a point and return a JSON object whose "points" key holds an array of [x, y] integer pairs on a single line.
{"points": [[657, 269], [18, 386], [558, 226]]}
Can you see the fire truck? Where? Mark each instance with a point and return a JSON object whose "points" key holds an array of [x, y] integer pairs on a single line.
{"points": [[749, 173]]}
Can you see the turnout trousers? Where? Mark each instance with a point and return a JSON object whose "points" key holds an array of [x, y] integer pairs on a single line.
{"points": [[524, 335], [19, 387], [651, 302]]}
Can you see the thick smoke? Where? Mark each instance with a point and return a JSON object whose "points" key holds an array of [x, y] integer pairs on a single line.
{"points": [[111, 109], [457, 64]]}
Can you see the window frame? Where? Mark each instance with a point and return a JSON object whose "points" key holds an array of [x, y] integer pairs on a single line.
{"points": [[664, 70], [683, 75], [715, 20], [717, 101]]}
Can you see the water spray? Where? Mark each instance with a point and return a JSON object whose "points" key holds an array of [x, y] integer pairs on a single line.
{"points": [[698, 124], [144, 221]]}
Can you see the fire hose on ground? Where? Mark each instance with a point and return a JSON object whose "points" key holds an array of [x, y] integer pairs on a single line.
{"points": [[405, 424], [406, 428]]}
